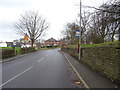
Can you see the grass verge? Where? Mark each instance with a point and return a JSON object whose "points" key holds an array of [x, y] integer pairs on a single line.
{"points": [[94, 45]]}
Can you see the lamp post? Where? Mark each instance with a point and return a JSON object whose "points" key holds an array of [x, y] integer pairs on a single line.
{"points": [[80, 34]]}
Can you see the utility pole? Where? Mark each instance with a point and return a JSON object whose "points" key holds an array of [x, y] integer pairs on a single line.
{"points": [[80, 35]]}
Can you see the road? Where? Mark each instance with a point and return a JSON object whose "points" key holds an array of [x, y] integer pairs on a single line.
{"points": [[41, 69]]}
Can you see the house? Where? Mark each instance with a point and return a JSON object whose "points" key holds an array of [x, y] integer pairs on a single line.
{"points": [[62, 42], [9, 44], [53, 42], [3, 44], [21, 43]]}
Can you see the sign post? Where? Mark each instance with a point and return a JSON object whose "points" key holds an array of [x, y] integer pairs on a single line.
{"points": [[79, 45], [78, 36]]}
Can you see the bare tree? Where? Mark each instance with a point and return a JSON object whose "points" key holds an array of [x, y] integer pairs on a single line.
{"points": [[107, 20], [32, 24], [113, 6], [98, 26], [70, 32], [85, 23]]}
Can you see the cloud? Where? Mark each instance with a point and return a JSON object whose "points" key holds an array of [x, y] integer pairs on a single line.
{"points": [[15, 3], [5, 25], [56, 12]]}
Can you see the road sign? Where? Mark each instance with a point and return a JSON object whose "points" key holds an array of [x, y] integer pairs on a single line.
{"points": [[77, 34], [26, 37]]}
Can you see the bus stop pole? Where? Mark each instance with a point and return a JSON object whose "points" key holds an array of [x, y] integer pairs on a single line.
{"points": [[79, 45]]}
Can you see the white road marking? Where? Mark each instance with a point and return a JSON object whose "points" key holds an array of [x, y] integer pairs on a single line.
{"points": [[46, 55], [86, 86], [16, 76], [42, 58]]}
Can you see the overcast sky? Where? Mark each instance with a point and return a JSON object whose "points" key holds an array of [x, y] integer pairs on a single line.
{"points": [[56, 12]]}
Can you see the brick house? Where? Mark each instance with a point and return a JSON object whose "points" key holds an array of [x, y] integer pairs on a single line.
{"points": [[53, 42], [62, 42]]}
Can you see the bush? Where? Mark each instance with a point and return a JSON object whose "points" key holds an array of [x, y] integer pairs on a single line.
{"points": [[27, 50], [8, 53], [17, 50]]}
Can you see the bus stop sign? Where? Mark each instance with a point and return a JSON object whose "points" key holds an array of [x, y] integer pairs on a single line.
{"points": [[77, 34]]}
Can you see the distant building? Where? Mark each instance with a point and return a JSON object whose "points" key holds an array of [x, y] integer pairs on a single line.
{"points": [[53, 42], [9, 44], [21, 43], [3, 44], [62, 42]]}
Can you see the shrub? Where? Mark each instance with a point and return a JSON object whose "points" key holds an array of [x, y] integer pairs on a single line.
{"points": [[27, 50], [8, 53]]}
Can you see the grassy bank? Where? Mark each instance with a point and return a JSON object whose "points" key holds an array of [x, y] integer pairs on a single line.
{"points": [[96, 45]]}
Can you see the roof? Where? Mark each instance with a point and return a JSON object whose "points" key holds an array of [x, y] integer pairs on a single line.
{"points": [[51, 39], [3, 44]]}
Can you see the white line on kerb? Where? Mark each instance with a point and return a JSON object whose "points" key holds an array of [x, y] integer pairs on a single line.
{"points": [[86, 86], [16, 76]]}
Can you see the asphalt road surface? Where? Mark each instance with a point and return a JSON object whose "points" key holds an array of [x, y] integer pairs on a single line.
{"points": [[41, 69]]}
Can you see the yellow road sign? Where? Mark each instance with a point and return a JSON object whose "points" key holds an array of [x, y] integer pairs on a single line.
{"points": [[26, 37]]}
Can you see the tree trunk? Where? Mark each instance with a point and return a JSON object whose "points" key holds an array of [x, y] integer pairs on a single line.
{"points": [[112, 38], [119, 35], [32, 42]]}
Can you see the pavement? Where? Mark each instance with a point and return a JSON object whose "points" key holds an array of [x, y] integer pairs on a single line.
{"points": [[41, 69], [91, 78]]}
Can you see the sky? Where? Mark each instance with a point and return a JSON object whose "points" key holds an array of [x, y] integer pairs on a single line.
{"points": [[56, 12]]}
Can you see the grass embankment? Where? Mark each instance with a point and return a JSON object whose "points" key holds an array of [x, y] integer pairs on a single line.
{"points": [[116, 43]]}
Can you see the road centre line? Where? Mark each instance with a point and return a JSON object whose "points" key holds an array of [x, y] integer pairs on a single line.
{"points": [[16, 76], [46, 55], [42, 58]]}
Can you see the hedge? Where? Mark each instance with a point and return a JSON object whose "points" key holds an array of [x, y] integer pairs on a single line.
{"points": [[27, 50], [8, 53]]}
